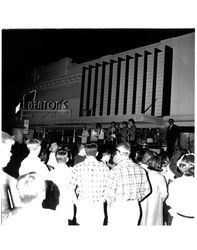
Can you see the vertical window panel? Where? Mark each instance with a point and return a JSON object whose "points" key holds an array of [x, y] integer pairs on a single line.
{"points": [[106, 88], [159, 89], [149, 83], [98, 91], [113, 93], [139, 86], [122, 87], [130, 87], [118, 85]]}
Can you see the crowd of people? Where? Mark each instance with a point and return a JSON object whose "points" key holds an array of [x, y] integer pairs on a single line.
{"points": [[106, 180]]}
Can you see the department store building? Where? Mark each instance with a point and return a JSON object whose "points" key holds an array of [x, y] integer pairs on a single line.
{"points": [[149, 84]]}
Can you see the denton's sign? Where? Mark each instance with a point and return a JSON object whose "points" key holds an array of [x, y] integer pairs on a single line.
{"points": [[29, 103]]}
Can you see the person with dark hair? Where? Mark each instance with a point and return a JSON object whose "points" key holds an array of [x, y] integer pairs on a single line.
{"points": [[81, 155], [101, 134], [131, 132], [172, 136], [111, 134], [51, 163], [182, 193], [126, 186], [88, 182], [152, 206], [123, 132], [84, 135]]}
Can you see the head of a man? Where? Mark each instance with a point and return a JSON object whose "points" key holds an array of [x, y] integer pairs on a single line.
{"points": [[31, 188], [54, 147], [124, 124], [123, 151], [186, 164], [171, 121], [91, 149], [6, 145], [34, 146], [131, 122], [61, 156], [113, 124]]}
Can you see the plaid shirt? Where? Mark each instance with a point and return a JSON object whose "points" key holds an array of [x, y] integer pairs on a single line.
{"points": [[89, 177], [127, 181]]}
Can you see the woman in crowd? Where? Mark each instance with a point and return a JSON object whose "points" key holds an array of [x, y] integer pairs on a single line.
{"points": [[52, 160], [152, 206], [61, 177], [182, 193], [84, 135], [169, 176]]}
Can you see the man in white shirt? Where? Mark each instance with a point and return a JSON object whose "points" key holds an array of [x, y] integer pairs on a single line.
{"points": [[32, 163], [88, 182]]}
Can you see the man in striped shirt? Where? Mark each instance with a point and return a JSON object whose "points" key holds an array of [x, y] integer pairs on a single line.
{"points": [[126, 186]]}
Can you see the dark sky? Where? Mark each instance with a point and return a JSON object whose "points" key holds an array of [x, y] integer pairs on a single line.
{"points": [[26, 49]]}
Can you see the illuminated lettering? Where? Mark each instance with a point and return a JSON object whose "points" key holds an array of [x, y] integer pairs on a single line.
{"points": [[30, 105], [51, 105], [47, 105]]}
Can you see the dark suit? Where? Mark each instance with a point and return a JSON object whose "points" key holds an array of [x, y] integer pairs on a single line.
{"points": [[171, 138]]}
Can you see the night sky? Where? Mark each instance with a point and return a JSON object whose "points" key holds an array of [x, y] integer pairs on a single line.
{"points": [[23, 50]]}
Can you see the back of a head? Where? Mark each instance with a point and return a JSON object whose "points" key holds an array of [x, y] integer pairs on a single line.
{"points": [[154, 163], [186, 164], [125, 146], [147, 155], [6, 145], [31, 187], [139, 155], [91, 149], [61, 156], [33, 145], [6, 138]]}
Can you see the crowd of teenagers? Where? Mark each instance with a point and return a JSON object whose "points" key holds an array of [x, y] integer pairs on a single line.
{"points": [[111, 182]]}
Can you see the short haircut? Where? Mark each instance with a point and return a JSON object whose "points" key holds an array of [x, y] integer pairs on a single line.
{"points": [[148, 154], [30, 186], [126, 146], [98, 125], [131, 120], [61, 155], [91, 149], [186, 164], [33, 144], [5, 137], [125, 123], [154, 163]]}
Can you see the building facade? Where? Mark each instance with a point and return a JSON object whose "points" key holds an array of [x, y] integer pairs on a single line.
{"points": [[149, 84]]}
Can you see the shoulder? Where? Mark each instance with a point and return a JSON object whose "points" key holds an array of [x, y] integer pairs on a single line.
{"points": [[157, 175]]}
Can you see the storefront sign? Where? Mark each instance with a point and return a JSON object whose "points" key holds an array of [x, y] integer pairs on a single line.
{"points": [[47, 105], [29, 103]]}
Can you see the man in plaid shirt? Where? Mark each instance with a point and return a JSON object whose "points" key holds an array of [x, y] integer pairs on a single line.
{"points": [[88, 181], [126, 186]]}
